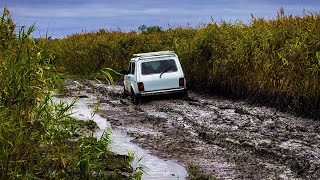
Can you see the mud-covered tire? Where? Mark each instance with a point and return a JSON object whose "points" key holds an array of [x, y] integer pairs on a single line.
{"points": [[135, 99], [124, 94], [183, 95]]}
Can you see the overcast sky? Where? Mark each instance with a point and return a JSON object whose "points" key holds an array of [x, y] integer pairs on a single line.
{"points": [[65, 17]]}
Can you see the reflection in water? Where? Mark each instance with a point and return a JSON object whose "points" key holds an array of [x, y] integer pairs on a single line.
{"points": [[154, 167]]}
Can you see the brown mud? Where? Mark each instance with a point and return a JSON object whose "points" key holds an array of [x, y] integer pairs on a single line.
{"points": [[226, 139]]}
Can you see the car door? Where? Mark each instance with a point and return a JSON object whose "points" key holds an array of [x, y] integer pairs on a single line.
{"points": [[130, 78]]}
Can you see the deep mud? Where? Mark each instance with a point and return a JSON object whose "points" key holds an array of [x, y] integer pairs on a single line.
{"points": [[226, 139]]}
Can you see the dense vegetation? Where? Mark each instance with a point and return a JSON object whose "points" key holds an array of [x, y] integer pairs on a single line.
{"points": [[38, 139], [274, 61]]}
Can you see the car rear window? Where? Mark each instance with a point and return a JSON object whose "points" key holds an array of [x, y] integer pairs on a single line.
{"points": [[157, 67]]}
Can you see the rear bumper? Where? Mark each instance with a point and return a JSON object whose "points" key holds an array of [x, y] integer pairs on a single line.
{"points": [[164, 91]]}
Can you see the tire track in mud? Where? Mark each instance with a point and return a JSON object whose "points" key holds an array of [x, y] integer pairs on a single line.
{"points": [[228, 140], [226, 151]]}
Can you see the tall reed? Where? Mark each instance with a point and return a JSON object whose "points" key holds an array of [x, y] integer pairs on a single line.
{"points": [[273, 61], [37, 136]]}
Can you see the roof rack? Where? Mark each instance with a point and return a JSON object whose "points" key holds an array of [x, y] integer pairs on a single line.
{"points": [[159, 53]]}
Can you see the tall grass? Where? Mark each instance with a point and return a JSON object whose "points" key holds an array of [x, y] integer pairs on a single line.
{"points": [[37, 136], [25, 104], [270, 61]]}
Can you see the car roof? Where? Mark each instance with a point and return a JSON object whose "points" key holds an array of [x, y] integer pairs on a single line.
{"points": [[158, 53], [153, 55]]}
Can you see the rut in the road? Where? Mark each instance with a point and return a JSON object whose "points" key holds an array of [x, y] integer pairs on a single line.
{"points": [[226, 139]]}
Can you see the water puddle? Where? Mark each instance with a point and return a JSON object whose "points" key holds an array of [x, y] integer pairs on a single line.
{"points": [[154, 167]]}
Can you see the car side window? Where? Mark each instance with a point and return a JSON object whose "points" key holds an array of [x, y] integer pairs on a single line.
{"points": [[132, 68], [129, 69]]}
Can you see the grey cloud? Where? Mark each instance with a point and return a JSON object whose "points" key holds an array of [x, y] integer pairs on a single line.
{"points": [[63, 17]]}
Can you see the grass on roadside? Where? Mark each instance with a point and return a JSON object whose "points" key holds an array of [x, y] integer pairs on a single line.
{"points": [[38, 138], [195, 173]]}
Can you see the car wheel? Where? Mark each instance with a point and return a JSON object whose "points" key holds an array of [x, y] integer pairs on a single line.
{"points": [[124, 94], [184, 95], [134, 98]]}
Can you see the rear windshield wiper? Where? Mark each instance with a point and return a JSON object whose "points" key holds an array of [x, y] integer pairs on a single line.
{"points": [[166, 70]]}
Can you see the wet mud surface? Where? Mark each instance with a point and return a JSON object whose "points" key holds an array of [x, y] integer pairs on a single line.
{"points": [[226, 139]]}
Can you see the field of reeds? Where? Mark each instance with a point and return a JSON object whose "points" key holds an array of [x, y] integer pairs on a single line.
{"points": [[270, 61], [38, 138]]}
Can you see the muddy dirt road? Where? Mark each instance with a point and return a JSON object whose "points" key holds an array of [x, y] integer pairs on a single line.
{"points": [[226, 139]]}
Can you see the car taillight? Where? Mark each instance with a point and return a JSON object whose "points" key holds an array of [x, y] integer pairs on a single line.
{"points": [[140, 86], [181, 82]]}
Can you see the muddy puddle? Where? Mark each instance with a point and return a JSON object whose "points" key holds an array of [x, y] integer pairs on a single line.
{"points": [[154, 167], [226, 139]]}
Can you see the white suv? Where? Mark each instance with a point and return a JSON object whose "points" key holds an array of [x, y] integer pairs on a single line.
{"points": [[152, 74]]}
